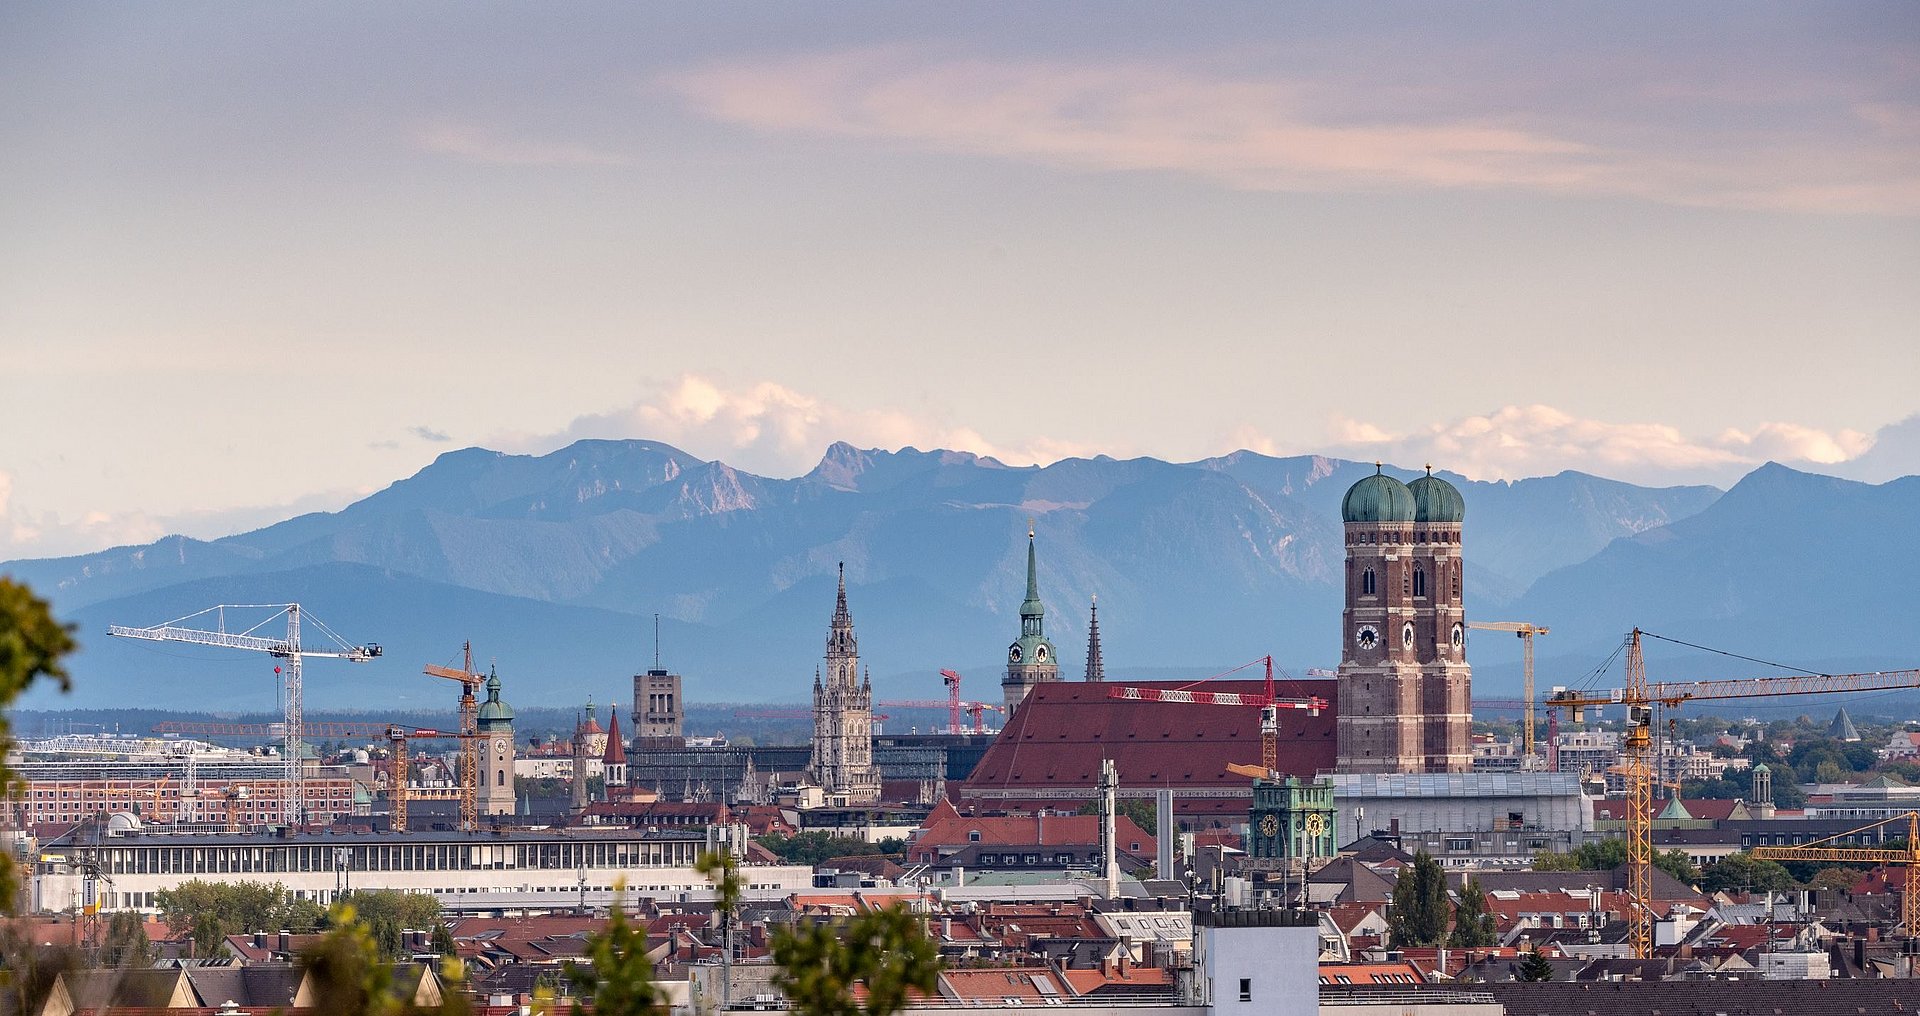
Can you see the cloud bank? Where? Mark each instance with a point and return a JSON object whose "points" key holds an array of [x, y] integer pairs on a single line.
{"points": [[1269, 130], [1519, 441], [771, 429]]}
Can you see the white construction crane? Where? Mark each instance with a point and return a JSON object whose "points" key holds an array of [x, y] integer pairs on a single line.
{"points": [[289, 649]]}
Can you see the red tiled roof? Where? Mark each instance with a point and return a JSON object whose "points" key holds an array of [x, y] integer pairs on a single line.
{"points": [[946, 831], [1058, 736], [1371, 973], [616, 753]]}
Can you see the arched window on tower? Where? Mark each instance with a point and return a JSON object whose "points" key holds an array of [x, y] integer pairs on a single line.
{"points": [[1366, 582], [1456, 583], [1419, 582]]}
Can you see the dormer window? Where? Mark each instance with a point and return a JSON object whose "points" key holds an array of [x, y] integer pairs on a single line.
{"points": [[973, 836]]}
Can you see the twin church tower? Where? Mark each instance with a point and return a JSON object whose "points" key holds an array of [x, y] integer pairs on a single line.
{"points": [[1404, 690]]}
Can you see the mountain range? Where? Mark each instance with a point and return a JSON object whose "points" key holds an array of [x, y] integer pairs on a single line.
{"points": [[555, 565]]}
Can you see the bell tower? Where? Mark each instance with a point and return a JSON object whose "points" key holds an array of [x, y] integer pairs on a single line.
{"points": [[1440, 622], [494, 722], [1378, 720], [1031, 659]]}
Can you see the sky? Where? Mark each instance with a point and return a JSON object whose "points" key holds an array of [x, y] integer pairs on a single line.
{"points": [[256, 260]]}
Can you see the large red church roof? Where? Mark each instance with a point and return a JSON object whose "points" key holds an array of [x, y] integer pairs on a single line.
{"points": [[1058, 736]]}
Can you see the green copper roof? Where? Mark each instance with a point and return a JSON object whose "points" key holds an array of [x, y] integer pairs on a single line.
{"points": [[1032, 607], [1377, 498], [1436, 500], [494, 712]]}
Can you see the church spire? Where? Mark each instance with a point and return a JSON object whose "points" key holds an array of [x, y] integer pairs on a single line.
{"points": [[1032, 611], [1096, 667], [840, 614]]}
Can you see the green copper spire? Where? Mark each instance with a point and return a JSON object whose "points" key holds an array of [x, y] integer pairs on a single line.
{"points": [[1032, 610]]}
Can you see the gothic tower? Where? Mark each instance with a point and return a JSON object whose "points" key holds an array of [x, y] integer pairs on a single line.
{"points": [[1440, 623], [843, 716], [1030, 660], [495, 724], [1096, 667], [1404, 683]]}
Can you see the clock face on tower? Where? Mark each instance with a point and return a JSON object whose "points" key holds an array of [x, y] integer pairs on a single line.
{"points": [[1040, 654], [1459, 635], [1270, 825], [1406, 635], [500, 749], [1316, 824], [1367, 637], [1013, 653]]}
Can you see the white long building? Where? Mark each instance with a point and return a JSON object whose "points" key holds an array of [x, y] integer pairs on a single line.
{"points": [[467, 872]]}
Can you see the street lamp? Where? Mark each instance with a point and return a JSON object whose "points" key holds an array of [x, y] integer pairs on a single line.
{"points": [[581, 872]]}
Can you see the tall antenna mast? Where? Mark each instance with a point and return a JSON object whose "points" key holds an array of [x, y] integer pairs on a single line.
{"points": [[656, 641]]}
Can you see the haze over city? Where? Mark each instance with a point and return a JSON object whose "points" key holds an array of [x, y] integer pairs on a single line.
{"points": [[255, 261]]}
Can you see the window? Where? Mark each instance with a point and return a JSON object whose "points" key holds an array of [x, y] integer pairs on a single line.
{"points": [[1419, 582], [1246, 989], [973, 836], [1366, 582], [1459, 843]]}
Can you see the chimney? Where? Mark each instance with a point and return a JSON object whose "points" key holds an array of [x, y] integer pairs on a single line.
{"points": [[259, 940], [286, 940]]}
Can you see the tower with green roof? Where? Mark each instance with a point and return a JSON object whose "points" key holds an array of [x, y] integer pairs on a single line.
{"points": [[1404, 685], [1031, 659], [495, 724]]}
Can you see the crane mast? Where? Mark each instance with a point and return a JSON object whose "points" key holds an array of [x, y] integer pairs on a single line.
{"points": [[1525, 632], [289, 649], [1639, 697]]}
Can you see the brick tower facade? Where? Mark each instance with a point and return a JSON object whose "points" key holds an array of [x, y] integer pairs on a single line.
{"points": [[1404, 693]]}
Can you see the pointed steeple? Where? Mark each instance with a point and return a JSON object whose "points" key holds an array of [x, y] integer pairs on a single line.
{"points": [[616, 753], [1096, 667], [1032, 611], [840, 613]]}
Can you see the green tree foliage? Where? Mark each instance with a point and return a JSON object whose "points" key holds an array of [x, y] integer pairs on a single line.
{"points": [[1535, 967], [1836, 878], [350, 977], [617, 978], [126, 943], [31, 645], [1420, 906], [1472, 925], [1743, 872], [411, 911], [885, 950], [220, 909], [1593, 855], [1143, 813], [814, 847], [1675, 862]]}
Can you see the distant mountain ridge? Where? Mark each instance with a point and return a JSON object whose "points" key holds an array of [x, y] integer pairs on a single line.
{"points": [[556, 563]]}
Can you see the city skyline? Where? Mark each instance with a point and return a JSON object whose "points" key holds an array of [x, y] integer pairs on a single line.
{"points": [[263, 262]]}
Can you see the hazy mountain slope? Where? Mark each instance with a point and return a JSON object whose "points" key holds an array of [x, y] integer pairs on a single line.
{"points": [[1787, 565], [558, 561]]}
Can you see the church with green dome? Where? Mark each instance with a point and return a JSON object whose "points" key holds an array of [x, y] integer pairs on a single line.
{"points": [[1405, 689]]}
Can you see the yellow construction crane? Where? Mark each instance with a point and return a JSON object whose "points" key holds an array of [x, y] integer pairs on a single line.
{"points": [[1526, 632], [469, 734], [399, 770], [1639, 698], [1823, 850]]}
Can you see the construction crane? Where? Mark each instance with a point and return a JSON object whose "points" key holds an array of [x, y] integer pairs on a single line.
{"points": [[289, 649], [1825, 850], [321, 728], [399, 790], [1268, 704], [975, 711], [469, 734], [1639, 698], [1525, 632]]}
